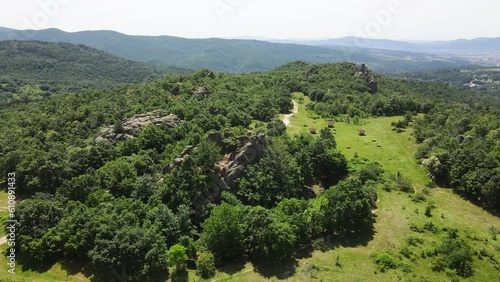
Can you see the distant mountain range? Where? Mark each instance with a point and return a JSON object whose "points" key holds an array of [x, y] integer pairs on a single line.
{"points": [[233, 55], [478, 44]]}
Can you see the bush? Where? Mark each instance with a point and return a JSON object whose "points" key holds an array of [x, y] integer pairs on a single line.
{"points": [[403, 184], [205, 265], [429, 226], [384, 261], [428, 211]]}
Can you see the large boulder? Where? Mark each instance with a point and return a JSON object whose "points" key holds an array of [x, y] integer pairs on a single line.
{"points": [[201, 92], [131, 127]]}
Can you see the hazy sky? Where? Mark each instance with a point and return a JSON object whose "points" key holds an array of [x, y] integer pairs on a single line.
{"points": [[281, 19]]}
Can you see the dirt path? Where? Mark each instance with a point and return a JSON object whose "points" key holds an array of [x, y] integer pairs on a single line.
{"points": [[286, 118], [3, 240]]}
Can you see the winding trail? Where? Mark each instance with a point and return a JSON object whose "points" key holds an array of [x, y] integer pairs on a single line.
{"points": [[286, 118]]}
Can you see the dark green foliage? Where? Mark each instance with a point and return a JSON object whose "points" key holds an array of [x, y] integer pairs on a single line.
{"points": [[460, 147], [35, 217], [33, 70], [293, 212], [222, 234], [118, 177], [349, 207], [274, 178], [371, 171], [265, 237], [276, 128], [139, 251]]}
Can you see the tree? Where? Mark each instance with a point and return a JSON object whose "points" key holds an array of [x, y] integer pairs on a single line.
{"points": [[265, 237], [327, 136], [434, 169], [276, 127], [293, 212], [350, 207], [275, 177], [36, 216], [138, 251], [205, 265], [329, 165], [206, 156], [118, 176], [222, 234], [177, 257]]}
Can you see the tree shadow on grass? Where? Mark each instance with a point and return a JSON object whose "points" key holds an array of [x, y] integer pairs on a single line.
{"points": [[232, 268], [281, 271], [179, 276], [351, 240], [28, 264], [74, 267]]}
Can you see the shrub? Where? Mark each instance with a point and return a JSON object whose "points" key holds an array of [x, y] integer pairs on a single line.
{"points": [[414, 241], [384, 261], [428, 211], [419, 197], [429, 226]]}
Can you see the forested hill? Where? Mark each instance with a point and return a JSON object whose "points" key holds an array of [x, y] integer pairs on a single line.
{"points": [[233, 55], [30, 69], [197, 167], [78, 64]]}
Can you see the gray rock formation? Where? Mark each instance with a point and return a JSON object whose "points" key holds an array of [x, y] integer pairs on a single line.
{"points": [[372, 86], [311, 72], [201, 91], [248, 150], [131, 127], [364, 73]]}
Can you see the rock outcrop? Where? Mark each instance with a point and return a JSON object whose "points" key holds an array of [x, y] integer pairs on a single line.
{"points": [[201, 92], [247, 151], [131, 127], [311, 72], [364, 73]]}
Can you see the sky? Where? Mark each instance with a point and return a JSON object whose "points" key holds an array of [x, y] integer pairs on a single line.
{"points": [[412, 20]]}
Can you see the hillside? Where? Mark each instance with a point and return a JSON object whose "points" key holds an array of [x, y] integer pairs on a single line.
{"points": [[33, 69], [234, 56], [482, 80], [198, 172], [63, 62]]}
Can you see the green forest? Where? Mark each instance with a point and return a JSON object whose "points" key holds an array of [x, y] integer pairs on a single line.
{"points": [[31, 70], [180, 177]]}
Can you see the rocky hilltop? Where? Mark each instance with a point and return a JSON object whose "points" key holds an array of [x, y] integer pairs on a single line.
{"points": [[131, 127]]}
